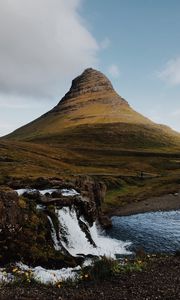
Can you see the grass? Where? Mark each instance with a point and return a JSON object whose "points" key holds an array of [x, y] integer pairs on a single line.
{"points": [[102, 268], [95, 133], [137, 189], [99, 136], [106, 268], [119, 168]]}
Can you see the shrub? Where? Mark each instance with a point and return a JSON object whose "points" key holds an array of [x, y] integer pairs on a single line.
{"points": [[107, 267], [177, 253], [100, 269]]}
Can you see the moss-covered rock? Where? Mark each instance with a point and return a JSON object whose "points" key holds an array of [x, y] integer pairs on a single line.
{"points": [[25, 233]]}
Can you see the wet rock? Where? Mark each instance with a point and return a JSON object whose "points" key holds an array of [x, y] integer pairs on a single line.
{"points": [[105, 221], [93, 192], [32, 195], [61, 201]]}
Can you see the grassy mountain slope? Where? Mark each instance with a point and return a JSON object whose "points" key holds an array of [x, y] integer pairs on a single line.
{"points": [[92, 114], [93, 130]]}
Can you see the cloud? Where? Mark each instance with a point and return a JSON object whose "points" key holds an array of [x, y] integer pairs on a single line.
{"points": [[171, 72], [42, 43], [105, 43], [17, 102], [113, 70]]}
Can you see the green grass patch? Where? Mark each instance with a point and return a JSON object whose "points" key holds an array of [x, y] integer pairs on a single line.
{"points": [[106, 268]]}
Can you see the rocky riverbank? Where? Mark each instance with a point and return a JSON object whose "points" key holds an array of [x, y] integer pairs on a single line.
{"points": [[159, 279], [165, 202]]}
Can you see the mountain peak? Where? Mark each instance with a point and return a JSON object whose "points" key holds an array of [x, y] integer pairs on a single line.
{"points": [[92, 115], [89, 81]]}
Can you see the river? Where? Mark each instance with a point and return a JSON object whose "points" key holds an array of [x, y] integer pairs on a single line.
{"points": [[153, 232]]}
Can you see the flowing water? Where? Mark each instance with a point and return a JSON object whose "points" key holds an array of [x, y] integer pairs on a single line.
{"points": [[153, 232], [64, 192], [76, 241], [72, 237]]}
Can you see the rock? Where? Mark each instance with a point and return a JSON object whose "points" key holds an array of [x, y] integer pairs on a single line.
{"points": [[32, 195], [105, 221], [93, 192], [10, 216], [25, 233], [60, 201], [88, 82], [10, 222]]}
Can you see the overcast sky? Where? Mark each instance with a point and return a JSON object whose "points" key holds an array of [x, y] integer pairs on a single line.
{"points": [[44, 44]]}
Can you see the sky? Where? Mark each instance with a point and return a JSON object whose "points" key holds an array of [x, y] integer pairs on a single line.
{"points": [[44, 44]]}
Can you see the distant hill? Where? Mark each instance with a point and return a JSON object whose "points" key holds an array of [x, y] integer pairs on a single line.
{"points": [[98, 131]]}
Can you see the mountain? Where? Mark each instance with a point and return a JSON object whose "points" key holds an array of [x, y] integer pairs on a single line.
{"points": [[92, 108], [96, 129]]}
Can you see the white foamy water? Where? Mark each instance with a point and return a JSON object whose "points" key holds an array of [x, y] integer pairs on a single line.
{"points": [[47, 276], [77, 242], [64, 192], [5, 277], [22, 191], [57, 245], [69, 192]]}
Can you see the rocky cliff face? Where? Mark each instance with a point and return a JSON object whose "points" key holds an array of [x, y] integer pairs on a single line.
{"points": [[89, 89], [95, 192], [89, 81]]}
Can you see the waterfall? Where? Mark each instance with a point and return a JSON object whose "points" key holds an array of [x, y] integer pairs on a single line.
{"points": [[57, 245], [76, 241], [72, 236]]}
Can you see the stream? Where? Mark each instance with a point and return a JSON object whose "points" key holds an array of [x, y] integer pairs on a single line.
{"points": [[153, 232]]}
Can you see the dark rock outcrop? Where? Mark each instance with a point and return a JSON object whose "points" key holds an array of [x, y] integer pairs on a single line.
{"points": [[10, 215], [88, 82], [94, 193], [25, 233], [90, 86]]}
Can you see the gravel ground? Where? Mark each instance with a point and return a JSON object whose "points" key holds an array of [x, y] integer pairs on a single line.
{"points": [[159, 280]]}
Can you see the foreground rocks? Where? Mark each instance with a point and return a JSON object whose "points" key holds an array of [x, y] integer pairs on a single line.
{"points": [[159, 280], [25, 233]]}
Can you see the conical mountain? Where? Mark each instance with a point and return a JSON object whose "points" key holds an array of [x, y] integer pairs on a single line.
{"points": [[92, 115]]}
